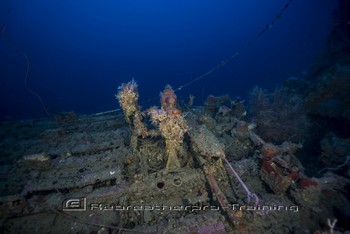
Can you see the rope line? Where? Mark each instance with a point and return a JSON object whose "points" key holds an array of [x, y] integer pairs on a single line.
{"points": [[24, 55], [238, 51]]}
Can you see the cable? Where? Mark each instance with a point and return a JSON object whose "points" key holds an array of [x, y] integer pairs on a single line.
{"points": [[24, 55], [238, 51]]}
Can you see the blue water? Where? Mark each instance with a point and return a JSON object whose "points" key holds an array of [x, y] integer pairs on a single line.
{"points": [[80, 51]]}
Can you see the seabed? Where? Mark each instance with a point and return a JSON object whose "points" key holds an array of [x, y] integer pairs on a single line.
{"points": [[78, 174]]}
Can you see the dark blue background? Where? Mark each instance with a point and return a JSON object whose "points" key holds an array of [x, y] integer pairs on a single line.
{"points": [[81, 50]]}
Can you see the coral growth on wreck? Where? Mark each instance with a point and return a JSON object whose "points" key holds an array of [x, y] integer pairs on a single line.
{"points": [[128, 99], [279, 116], [171, 124]]}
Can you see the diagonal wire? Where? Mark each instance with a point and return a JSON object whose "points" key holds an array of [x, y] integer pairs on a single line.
{"points": [[237, 52]]}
